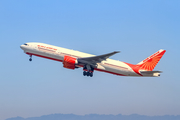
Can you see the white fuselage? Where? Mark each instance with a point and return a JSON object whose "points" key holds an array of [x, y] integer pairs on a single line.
{"points": [[58, 53]]}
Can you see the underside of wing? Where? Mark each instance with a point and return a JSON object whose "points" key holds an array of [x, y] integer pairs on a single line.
{"points": [[96, 59]]}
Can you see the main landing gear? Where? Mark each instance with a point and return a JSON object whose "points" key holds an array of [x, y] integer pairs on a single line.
{"points": [[30, 59], [86, 73], [88, 70]]}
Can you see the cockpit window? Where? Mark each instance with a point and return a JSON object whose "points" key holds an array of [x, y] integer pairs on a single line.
{"points": [[25, 44]]}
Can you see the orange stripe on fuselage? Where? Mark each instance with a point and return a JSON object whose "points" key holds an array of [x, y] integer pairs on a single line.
{"points": [[135, 68]]}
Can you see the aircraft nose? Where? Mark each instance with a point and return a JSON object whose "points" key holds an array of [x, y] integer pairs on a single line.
{"points": [[22, 46]]}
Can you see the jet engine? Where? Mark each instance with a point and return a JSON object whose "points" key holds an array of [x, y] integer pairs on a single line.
{"points": [[69, 62]]}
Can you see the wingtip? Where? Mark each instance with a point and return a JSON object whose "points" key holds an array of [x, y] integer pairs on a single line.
{"points": [[117, 51]]}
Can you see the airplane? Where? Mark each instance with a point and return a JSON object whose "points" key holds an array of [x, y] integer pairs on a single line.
{"points": [[73, 59]]}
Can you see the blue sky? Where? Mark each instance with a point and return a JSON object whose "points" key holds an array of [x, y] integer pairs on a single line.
{"points": [[136, 28]]}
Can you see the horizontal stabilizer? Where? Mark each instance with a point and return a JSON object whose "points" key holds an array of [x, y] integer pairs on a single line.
{"points": [[150, 72]]}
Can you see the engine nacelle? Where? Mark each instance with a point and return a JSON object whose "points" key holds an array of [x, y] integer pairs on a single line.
{"points": [[69, 62]]}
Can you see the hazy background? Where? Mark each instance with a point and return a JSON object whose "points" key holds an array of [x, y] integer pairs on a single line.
{"points": [[136, 28]]}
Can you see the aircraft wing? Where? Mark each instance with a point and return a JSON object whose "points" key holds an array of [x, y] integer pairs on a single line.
{"points": [[96, 59]]}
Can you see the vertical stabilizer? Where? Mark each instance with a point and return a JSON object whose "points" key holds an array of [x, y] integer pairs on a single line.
{"points": [[149, 63]]}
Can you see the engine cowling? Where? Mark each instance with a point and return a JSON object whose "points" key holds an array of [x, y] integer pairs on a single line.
{"points": [[69, 62]]}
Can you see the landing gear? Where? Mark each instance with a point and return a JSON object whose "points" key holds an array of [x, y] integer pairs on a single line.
{"points": [[87, 73], [30, 59], [84, 73], [88, 70], [91, 74]]}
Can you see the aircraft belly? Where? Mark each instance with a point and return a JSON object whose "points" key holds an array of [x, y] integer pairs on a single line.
{"points": [[120, 70], [45, 54]]}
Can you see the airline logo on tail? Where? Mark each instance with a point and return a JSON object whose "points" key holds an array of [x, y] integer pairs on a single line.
{"points": [[149, 63]]}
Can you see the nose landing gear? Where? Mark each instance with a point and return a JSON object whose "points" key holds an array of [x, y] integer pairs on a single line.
{"points": [[30, 59]]}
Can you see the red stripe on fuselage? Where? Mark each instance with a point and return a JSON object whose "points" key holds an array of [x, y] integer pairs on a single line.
{"points": [[44, 57], [109, 72], [79, 65]]}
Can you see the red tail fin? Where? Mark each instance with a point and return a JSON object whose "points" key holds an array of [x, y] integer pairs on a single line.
{"points": [[149, 63]]}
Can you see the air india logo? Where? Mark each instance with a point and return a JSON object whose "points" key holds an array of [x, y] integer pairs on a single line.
{"points": [[149, 63]]}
